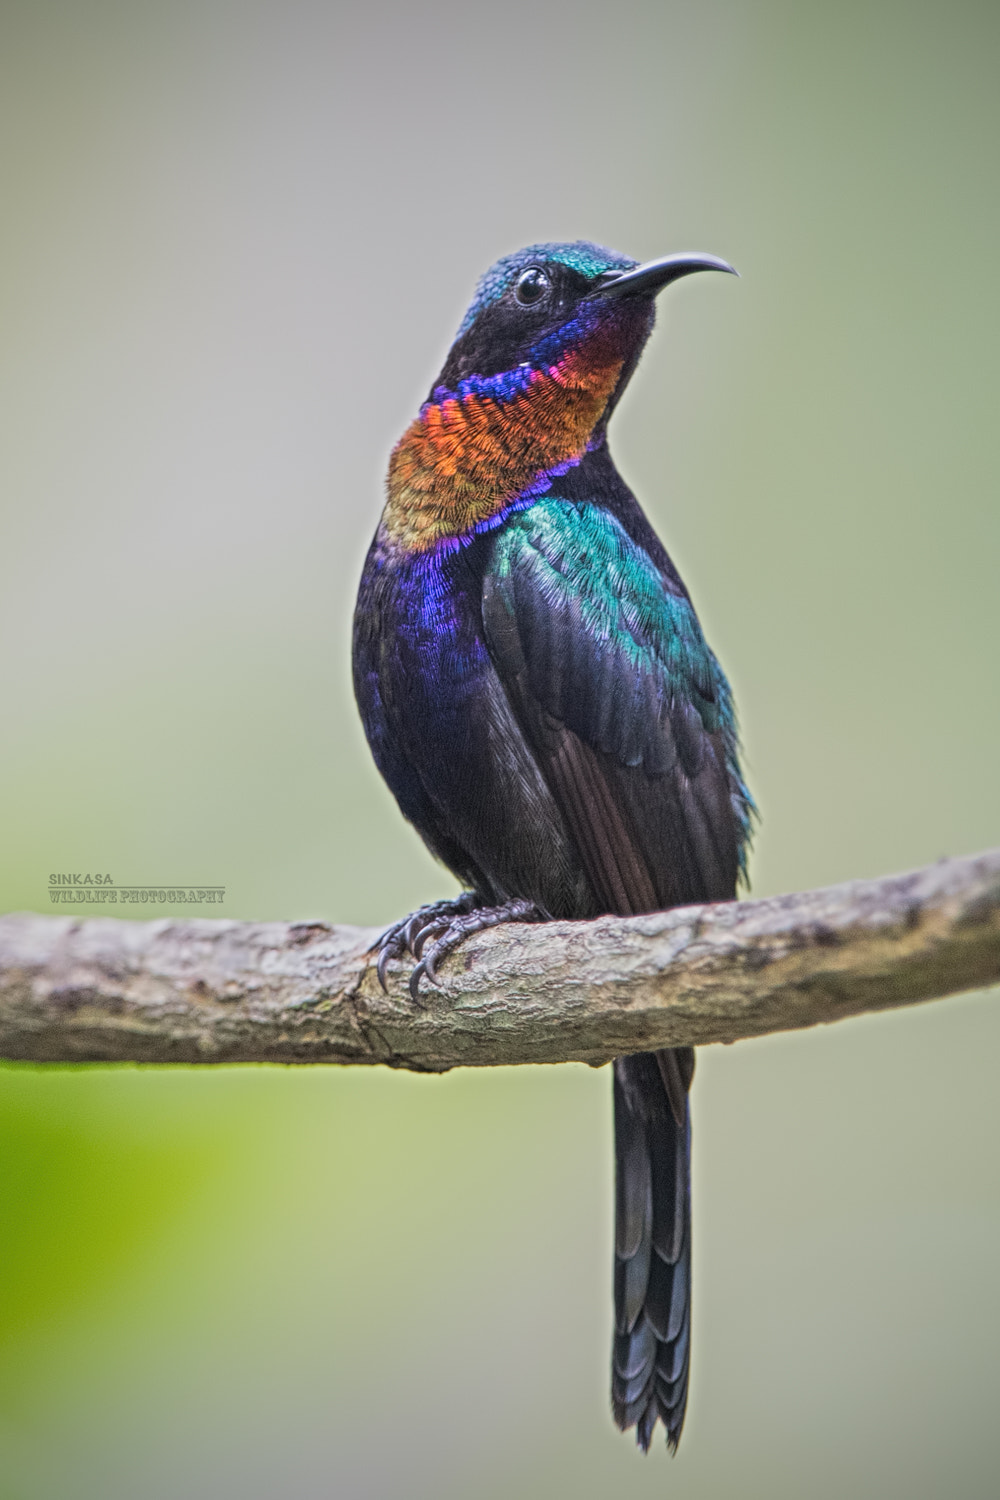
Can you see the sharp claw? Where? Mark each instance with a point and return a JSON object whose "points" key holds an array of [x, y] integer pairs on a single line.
{"points": [[425, 933], [418, 973], [381, 967], [431, 962], [410, 931]]}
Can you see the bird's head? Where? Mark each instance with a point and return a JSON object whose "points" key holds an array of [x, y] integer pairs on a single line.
{"points": [[546, 348]]}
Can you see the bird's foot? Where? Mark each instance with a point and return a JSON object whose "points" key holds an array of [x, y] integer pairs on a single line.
{"points": [[437, 939], [401, 937], [434, 931]]}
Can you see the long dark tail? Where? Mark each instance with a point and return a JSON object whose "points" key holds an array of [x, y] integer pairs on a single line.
{"points": [[651, 1352]]}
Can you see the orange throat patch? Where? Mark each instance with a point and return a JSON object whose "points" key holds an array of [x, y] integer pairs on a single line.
{"points": [[468, 455]]}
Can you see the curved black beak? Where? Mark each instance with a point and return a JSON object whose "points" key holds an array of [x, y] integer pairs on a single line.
{"points": [[653, 275]]}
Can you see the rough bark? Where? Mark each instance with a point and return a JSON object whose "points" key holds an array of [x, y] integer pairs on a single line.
{"points": [[219, 991]]}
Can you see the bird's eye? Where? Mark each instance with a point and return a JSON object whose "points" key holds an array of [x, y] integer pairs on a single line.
{"points": [[532, 286]]}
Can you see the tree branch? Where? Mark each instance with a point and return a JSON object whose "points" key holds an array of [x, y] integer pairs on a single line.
{"points": [[217, 991]]}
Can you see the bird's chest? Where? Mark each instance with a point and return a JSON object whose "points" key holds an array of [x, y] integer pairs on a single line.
{"points": [[435, 671]]}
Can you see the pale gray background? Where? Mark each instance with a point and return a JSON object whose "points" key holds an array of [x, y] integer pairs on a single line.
{"points": [[235, 243]]}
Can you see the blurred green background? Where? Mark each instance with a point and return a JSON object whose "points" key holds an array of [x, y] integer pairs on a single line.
{"points": [[235, 243]]}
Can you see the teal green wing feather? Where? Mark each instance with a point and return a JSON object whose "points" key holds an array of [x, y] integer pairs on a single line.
{"points": [[625, 706]]}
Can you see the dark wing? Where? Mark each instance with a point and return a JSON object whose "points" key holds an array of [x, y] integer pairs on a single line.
{"points": [[626, 708], [630, 718]]}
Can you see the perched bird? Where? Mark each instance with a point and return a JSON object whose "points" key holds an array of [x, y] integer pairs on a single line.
{"points": [[538, 694]]}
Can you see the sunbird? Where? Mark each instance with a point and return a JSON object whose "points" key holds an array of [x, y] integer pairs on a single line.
{"points": [[538, 694]]}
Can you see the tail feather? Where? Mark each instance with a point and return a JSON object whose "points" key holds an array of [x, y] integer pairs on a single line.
{"points": [[651, 1352]]}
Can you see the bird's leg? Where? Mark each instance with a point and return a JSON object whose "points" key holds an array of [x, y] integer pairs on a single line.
{"points": [[401, 936], [436, 939]]}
